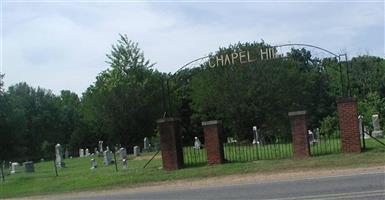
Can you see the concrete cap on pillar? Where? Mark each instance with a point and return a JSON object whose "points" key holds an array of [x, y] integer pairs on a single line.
{"points": [[165, 120], [346, 99], [297, 113], [213, 122]]}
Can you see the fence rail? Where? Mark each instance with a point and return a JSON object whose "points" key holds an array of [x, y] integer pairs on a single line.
{"points": [[193, 156], [325, 144], [237, 152]]}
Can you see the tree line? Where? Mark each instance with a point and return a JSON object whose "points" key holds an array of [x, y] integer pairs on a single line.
{"points": [[123, 104]]}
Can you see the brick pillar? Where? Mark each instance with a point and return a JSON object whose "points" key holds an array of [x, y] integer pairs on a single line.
{"points": [[298, 120], [214, 141], [349, 128], [171, 143]]}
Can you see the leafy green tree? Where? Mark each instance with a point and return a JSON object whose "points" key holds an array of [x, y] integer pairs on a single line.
{"points": [[259, 93], [367, 75], [125, 101]]}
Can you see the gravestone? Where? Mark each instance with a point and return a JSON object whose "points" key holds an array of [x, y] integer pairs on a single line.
{"points": [[87, 152], [29, 167], [123, 153], [317, 135], [107, 155], [310, 137], [125, 164], [146, 144], [377, 132], [101, 146], [59, 156], [197, 143], [363, 130], [94, 164], [255, 135], [96, 152], [231, 140], [81, 153], [136, 150], [13, 167]]}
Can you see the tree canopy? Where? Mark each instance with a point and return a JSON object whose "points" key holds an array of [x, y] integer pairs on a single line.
{"points": [[122, 105]]}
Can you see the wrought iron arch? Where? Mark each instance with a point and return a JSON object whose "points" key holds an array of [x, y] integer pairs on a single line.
{"points": [[339, 57]]}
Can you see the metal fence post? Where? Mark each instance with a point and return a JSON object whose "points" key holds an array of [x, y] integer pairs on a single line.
{"points": [[116, 162]]}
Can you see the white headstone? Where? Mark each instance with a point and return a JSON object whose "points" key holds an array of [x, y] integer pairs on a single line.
{"points": [[311, 137], [96, 152], [197, 143], [136, 151], [146, 144], [317, 135], [107, 155], [13, 167], [94, 164], [87, 152], [125, 164], [122, 153], [377, 132], [101, 146], [81, 152], [362, 128], [59, 156], [256, 136]]}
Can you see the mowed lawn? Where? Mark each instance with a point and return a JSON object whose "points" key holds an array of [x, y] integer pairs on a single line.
{"points": [[77, 175]]}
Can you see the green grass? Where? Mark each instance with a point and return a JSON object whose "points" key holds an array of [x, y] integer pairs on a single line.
{"points": [[373, 145], [326, 146], [235, 152], [78, 177]]}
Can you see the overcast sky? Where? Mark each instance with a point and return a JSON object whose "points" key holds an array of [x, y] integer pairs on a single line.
{"points": [[62, 45]]}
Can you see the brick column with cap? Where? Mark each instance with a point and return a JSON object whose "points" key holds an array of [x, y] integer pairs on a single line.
{"points": [[171, 143], [349, 126], [298, 120], [213, 132]]}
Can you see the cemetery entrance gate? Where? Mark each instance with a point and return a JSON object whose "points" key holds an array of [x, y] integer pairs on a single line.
{"points": [[264, 145]]}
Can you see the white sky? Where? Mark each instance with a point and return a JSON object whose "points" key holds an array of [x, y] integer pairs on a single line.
{"points": [[62, 45]]}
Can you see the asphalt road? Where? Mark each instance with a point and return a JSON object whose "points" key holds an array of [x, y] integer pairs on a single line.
{"points": [[363, 186]]}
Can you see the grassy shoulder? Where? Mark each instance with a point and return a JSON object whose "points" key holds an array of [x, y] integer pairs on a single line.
{"points": [[78, 177]]}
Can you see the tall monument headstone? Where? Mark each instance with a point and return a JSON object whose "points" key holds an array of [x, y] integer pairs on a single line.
{"points": [[255, 135], [377, 132], [197, 143], [81, 152], [101, 146], [146, 144], [59, 156]]}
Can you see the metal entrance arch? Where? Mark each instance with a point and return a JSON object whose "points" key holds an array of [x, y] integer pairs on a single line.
{"points": [[270, 148], [198, 62]]}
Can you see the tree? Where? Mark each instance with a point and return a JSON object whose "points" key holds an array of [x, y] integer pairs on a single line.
{"points": [[259, 93], [125, 101], [1, 83]]}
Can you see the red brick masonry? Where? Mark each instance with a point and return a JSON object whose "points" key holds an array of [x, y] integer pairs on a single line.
{"points": [[171, 143], [213, 132], [348, 119], [298, 121]]}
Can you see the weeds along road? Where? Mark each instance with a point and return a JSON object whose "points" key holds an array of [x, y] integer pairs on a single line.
{"points": [[362, 186]]}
